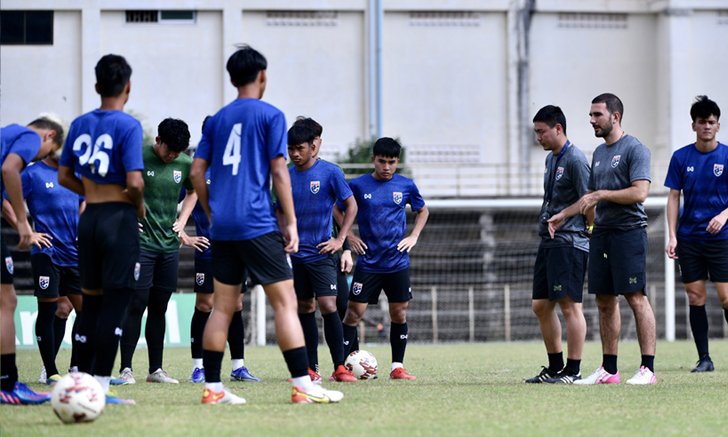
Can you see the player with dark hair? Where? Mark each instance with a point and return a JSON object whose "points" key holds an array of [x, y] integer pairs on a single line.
{"points": [[561, 260], [166, 170], [698, 235], [383, 263], [204, 297], [18, 147], [317, 186], [54, 257], [244, 146], [618, 186], [105, 149]]}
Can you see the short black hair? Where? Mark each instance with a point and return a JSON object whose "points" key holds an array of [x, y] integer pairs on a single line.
{"points": [[551, 115], [175, 134], [704, 108], [613, 103], [245, 64], [112, 75], [310, 123], [299, 134], [48, 124], [387, 147]]}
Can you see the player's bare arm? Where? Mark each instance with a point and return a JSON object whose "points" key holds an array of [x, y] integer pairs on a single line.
{"points": [[673, 207], [188, 204], [420, 220], [135, 191], [635, 193], [282, 186], [717, 222], [68, 179], [334, 244], [38, 239], [11, 169], [558, 219]]}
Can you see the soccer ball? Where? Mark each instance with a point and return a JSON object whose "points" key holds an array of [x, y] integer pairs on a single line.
{"points": [[78, 397], [362, 365]]}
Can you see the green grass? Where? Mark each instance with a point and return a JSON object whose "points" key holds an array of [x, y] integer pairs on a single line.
{"points": [[462, 389]]}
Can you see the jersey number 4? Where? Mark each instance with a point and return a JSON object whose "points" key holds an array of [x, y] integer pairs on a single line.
{"points": [[231, 155], [97, 157]]}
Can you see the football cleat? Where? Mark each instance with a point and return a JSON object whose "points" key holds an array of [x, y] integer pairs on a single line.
{"points": [[113, 399], [600, 376], [53, 379], [161, 376], [198, 375], [317, 395], [401, 373], [704, 364], [242, 374], [544, 376], [644, 376], [341, 374], [23, 395], [210, 397], [127, 376], [564, 377]]}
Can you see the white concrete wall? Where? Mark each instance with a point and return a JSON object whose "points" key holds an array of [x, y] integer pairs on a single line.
{"points": [[35, 79], [177, 68], [315, 68]]}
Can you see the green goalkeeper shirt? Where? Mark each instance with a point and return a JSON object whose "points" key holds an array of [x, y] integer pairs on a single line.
{"points": [[162, 186]]}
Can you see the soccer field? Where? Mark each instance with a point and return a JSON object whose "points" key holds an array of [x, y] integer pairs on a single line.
{"points": [[461, 389]]}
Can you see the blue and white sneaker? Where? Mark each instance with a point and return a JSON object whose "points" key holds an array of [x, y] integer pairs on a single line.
{"points": [[242, 374], [198, 375], [113, 399]]}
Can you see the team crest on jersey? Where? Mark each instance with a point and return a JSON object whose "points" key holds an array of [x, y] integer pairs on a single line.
{"points": [[9, 265], [137, 271], [44, 282], [717, 169], [177, 175], [615, 160], [559, 172], [315, 186], [397, 197], [356, 288], [199, 278]]}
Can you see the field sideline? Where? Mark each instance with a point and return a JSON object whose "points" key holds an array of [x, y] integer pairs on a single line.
{"points": [[462, 389]]}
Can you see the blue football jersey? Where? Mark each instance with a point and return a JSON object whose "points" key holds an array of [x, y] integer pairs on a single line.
{"points": [[703, 179], [103, 146], [315, 190], [238, 143], [382, 220], [55, 211], [20, 140]]}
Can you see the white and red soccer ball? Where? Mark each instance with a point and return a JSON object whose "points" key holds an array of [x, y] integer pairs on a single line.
{"points": [[362, 364], [78, 397]]}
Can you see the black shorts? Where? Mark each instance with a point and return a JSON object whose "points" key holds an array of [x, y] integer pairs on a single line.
{"points": [[559, 272], [8, 268], [51, 280], [366, 287], [315, 279], [618, 261], [701, 260], [108, 246], [262, 258], [203, 275], [158, 271]]}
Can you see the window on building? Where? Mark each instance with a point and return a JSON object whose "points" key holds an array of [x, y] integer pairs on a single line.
{"points": [[168, 16], [26, 27]]}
